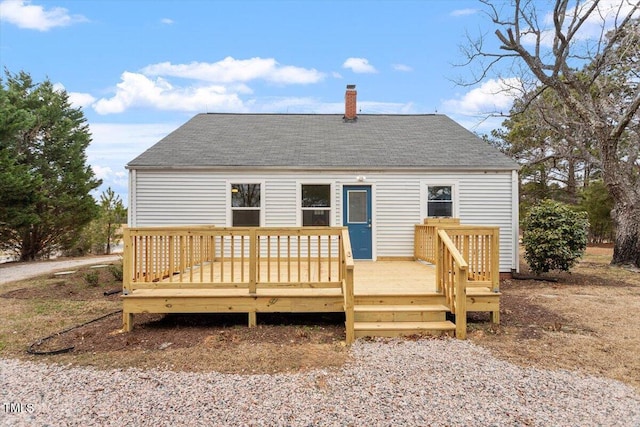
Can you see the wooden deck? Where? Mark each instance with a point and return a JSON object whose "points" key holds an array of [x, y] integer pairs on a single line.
{"points": [[393, 278], [261, 270]]}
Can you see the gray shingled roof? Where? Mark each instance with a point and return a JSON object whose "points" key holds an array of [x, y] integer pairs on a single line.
{"points": [[322, 141]]}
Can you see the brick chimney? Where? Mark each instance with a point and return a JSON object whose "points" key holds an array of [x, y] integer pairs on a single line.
{"points": [[350, 105]]}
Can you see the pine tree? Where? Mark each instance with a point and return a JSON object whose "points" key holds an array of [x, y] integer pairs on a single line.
{"points": [[46, 182]]}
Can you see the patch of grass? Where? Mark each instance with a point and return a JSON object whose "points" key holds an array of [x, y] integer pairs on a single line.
{"points": [[48, 307]]}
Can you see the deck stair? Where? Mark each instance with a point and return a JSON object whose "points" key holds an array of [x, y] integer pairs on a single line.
{"points": [[400, 315]]}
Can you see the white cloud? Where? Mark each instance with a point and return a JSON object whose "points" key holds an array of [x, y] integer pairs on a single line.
{"points": [[402, 67], [166, 21], [230, 70], [102, 172], [491, 97], [604, 16], [114, 145], [34, 17], [359, 65], [336, 75], [463, 12], [138, 91], [79, 99]]}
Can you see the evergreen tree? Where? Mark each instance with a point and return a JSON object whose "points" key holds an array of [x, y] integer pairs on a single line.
{"points": [[46, 182], [112, 215]]}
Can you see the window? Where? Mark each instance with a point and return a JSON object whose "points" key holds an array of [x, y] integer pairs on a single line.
{"points": [[316, 204], [439, 201], [245, 205], [357, 207]]}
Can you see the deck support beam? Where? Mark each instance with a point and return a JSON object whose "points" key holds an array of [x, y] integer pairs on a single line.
{"points": [[253, 319], [127, 322], [495, 317]]}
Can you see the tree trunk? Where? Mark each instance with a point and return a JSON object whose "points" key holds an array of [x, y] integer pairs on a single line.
{"points": [[28, 249], [626, 250], [109, 239], [572, 191]]}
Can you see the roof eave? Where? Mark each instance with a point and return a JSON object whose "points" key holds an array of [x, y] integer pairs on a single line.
{"points": [[240, 168]]}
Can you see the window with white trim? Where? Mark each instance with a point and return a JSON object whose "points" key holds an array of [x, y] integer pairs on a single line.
{"points": [[246, 202], [316, 204], [439, 201]]}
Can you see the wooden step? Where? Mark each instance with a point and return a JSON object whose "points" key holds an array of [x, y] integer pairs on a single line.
{"points": [[400, 313], [403, 308], [400, 299], [395, 329]]}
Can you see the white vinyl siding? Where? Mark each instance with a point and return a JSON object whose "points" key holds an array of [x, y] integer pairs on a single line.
{"points": [[398, 201], [185, 198]]}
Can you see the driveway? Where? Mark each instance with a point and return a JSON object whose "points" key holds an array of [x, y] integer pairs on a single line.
{"points": [[11, 272]]}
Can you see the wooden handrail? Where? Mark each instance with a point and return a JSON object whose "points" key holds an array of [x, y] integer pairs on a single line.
{"points": [[478, 245], [451, 280], [347, 285]]}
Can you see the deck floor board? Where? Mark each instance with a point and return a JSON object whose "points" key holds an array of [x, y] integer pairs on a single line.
{"points": [[393, 278], [370, 277]]}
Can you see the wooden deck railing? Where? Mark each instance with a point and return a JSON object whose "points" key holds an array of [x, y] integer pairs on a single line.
{"points": [[156, 257], [451, 280], [425, 237], [478, 245], [252, 258]]}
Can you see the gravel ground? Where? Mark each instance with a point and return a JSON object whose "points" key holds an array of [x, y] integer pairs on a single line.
{"points": [[394, 382], [25, 270]]}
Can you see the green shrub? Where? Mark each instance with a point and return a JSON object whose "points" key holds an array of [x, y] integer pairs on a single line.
{"points": [[116, 271], [92, 278], [555, 236]]}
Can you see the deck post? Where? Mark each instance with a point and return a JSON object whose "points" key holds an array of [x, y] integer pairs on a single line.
{"points": [[439, 261], [461, 303], [347, 267], [349, 308], [495, 260], [253, 319], [495, 271], [127, 275], [253, 267], [127, 321]]}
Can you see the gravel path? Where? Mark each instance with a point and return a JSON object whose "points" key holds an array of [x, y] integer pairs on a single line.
{"points": [[26, 270], [426, 382]]}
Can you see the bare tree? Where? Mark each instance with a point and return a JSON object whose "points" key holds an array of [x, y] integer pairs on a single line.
{"points": [[594, 74]]}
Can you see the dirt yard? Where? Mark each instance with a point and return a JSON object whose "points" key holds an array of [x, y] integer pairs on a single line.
{"points": [[589, 321], [586, 321]]}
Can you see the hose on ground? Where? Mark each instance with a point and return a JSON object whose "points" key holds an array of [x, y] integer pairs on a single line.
{"points": [[32, 348]]}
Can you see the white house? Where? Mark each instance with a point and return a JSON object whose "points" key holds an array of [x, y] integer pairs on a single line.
{"points": [[376, 174]]}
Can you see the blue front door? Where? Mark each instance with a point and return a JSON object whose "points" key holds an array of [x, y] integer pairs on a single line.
{"points": [[357, 217]]}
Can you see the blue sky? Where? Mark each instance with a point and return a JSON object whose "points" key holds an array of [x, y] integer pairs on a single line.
{"points": [[141, 68]]}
